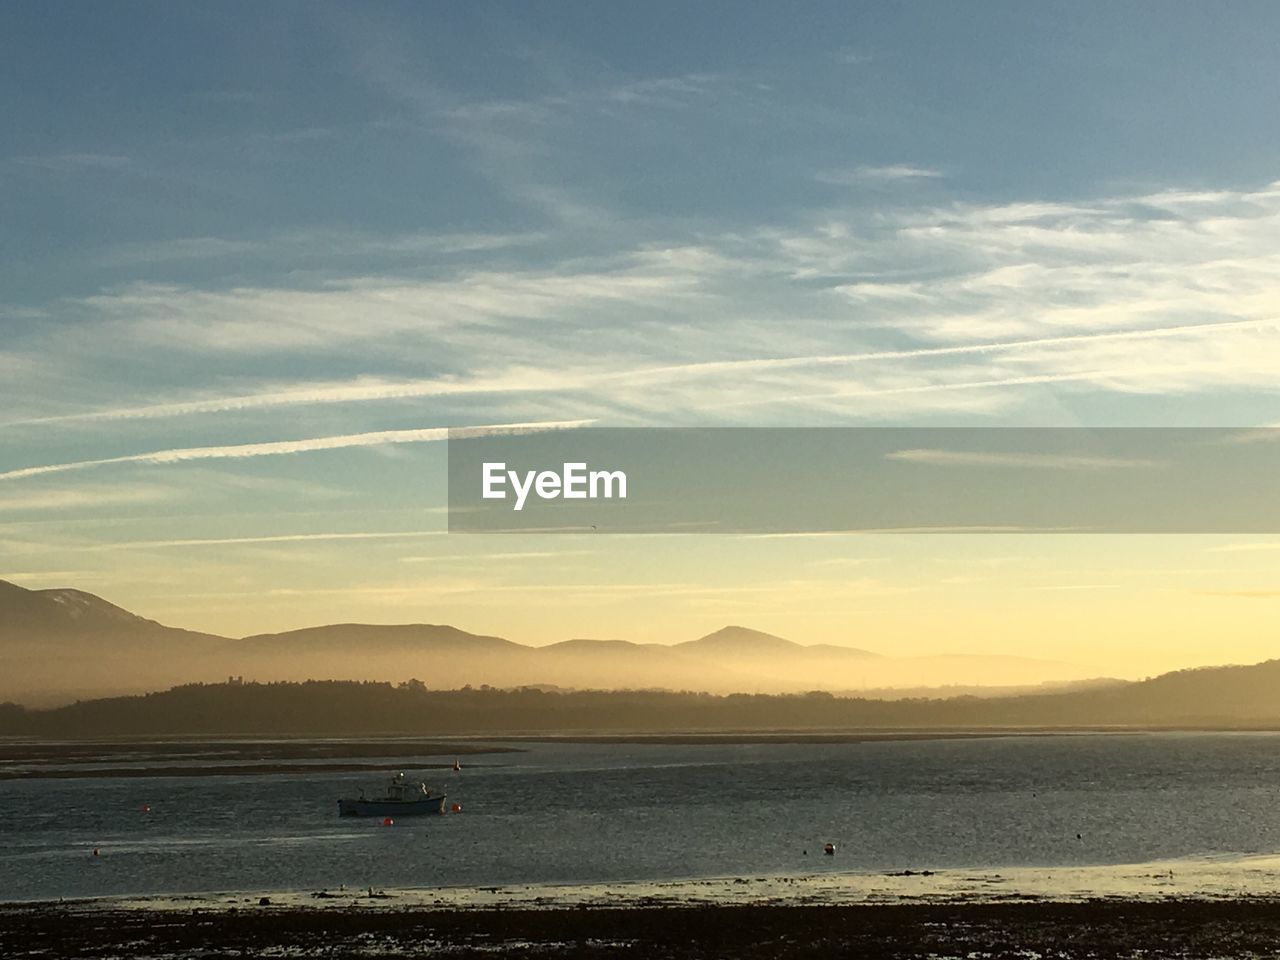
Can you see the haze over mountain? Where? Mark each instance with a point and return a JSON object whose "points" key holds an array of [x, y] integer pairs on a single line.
{"points": [[63, 644]]}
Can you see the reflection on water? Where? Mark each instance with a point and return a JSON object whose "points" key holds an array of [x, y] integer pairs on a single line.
{"points": [[575, 813]]}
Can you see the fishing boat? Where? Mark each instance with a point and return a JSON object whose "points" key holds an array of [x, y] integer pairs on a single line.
{"points": [[402, 799]]}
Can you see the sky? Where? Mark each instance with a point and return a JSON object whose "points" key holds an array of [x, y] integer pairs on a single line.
{"points": [[254, 257]]}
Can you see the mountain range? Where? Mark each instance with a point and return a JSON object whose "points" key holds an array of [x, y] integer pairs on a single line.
{"points": [[62, 644]]}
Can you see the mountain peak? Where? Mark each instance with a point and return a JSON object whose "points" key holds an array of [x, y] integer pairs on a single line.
{"points": [[79, 605], [33, 613], [742, 639]]}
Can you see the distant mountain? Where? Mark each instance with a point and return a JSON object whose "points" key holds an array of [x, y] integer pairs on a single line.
{"points": [[734, 658], [349, 637], [584, 644], [832, 650], [41, 615], [58, 644], [738, 640], [743, 641], [604, 664]]}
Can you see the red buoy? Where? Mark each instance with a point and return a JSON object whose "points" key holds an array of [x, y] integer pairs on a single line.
{"points": [[456, 808], [388, 822]]}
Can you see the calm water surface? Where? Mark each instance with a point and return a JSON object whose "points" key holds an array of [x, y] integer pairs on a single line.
{"points": [[560, 813]]}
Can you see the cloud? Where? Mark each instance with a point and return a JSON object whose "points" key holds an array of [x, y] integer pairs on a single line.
{"points": [[1031, 461], [319, 393], [246, 319], [943, 384], [1266, 434], [668, 91], [283, 447], [896, 313], [453, 559], [539, 381], [865, 531], [852, 56], [327, 245], [886, 174], [282, 538], [516, 142], [837, 359], [74, 497]]}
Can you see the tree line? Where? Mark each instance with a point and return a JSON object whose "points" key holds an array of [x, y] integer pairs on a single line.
{"points": [[1232, 696]]}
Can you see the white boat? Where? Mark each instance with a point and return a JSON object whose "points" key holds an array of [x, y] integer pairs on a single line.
{"points": [[402, 799]]}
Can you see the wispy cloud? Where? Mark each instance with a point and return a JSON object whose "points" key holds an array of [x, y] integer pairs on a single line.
{"points": [[453, 558], [282, 538], [284, 447], [994, 347], [539, 381], [1031, 461], [70, 498], [245, 319], [886, 174], [909, 311], [804, 535], [320, 393], [326, 245]]}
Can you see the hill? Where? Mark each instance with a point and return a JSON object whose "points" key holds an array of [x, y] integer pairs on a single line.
{"points": [[57, 645], [1221, 697]]}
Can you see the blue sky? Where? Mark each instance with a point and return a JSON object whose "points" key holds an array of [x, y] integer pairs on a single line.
{"points": [[287, 235]]}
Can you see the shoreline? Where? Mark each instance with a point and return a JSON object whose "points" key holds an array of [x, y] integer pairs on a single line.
{"points": [[1202, 879], [1204, 908]]}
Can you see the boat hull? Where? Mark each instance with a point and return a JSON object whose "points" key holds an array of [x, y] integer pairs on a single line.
{"points": [[390, 808]]}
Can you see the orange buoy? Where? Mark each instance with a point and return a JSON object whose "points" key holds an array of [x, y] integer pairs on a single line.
{"points": [[456, 808]]}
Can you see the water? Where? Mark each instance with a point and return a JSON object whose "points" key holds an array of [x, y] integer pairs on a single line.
{"points": [[582, 813]]}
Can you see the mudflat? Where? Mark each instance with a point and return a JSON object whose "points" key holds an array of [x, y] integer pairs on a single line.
{"points": [[1183, 928]]}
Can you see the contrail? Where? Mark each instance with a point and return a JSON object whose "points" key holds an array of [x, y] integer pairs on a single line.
{"points": [[1042, 461], [282, 538], [356, 392], [996, 347], [318, 393], [948, 386], [280, 447]]}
